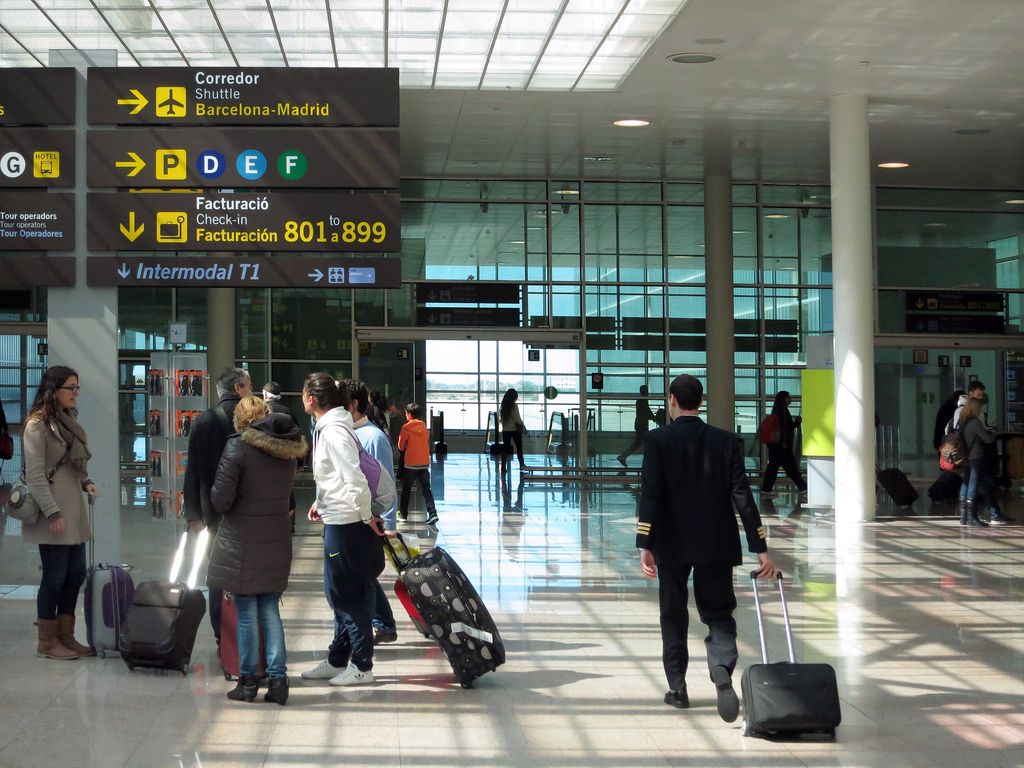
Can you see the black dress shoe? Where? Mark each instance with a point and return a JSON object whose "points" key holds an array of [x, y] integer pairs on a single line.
{"points": [[677, 699], [728, 702]]}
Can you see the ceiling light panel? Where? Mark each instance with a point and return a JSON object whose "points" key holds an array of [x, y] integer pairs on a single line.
{"points": [[358, 32]]}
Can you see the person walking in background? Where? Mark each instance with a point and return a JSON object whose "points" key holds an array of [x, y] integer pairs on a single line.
{"points": [[56, 472], [692, 485], [206, 442], [350, 530], [414, 443], [780, 452], [512, 427], [252, 554], [976, 437], [377, 444], [641, 424], [945, 415]]}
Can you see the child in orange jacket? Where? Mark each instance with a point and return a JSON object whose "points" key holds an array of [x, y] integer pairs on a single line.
{"points": [[414, 444]]}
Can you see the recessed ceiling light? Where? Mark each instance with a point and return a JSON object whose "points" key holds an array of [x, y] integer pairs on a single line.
{"points": [[517, 242], [567, 191], [692, 58], [535, 228], [1014, 201], [631, 122], [598, 158], [940, 224], [894, 165], [776, 215], [741, 231], [973, 131]]}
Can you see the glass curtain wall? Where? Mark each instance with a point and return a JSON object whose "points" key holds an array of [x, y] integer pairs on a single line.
{"points": [[623, 261]]}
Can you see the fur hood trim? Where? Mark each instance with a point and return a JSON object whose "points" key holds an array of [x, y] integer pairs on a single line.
{"points": [[277, 447]]}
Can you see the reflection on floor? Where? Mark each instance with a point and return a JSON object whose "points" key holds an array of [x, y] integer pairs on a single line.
{"points": [[922, 619]]}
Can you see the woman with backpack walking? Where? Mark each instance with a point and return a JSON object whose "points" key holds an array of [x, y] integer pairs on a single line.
{"points": [[776, 433]]}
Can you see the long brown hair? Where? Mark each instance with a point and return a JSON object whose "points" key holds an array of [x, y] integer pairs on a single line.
{"points": [[972, 410], [45, 406]]}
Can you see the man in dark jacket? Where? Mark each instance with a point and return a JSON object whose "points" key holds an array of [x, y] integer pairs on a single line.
{"points": [[206, 443], [692, 479]]}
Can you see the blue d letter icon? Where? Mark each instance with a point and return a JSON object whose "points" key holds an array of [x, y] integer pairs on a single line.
{"points": [[210, 164]]}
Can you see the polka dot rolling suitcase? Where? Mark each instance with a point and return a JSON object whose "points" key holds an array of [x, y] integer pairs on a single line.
{"points": [[449, 610]]}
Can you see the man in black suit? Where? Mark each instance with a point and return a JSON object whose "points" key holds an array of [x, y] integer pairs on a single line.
{"points": [[209, 434], [692, 481]]}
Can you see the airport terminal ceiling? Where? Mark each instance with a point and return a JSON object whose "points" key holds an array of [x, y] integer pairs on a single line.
{"points": [[529, 88]]}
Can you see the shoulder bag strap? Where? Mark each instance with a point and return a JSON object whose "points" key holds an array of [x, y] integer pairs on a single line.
{"points": [[222, 415], [52, 472]]}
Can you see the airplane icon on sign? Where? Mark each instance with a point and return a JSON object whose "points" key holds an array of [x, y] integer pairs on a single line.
{"points": [[170, 101]]}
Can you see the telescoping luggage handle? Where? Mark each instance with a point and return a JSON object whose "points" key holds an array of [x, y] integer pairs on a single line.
{"points": [[399, 561], [760, 620], [197, 558]]}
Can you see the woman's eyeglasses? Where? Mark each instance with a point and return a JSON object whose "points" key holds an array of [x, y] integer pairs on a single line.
{"points": [[75, 389]]}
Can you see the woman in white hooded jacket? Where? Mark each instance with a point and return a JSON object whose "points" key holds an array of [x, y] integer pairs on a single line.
{"points": [[350, 532]]}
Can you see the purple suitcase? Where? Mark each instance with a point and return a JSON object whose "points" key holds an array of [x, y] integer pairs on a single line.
{"points": [[109, 590]]}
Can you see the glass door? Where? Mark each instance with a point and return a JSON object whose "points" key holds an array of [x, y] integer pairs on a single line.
{"points": [[911, 384]]}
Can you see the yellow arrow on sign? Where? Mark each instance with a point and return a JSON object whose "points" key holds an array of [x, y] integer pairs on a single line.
{"points": [[130, 231], [136, 164], [139, 101]]}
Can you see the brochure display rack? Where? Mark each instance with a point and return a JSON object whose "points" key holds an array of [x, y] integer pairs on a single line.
{"points": [[179, 390]]}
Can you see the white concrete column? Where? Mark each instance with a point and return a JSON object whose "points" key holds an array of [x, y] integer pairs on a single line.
{"points": [[220, 349], [852, 297], [720, 337], [82, 333]]}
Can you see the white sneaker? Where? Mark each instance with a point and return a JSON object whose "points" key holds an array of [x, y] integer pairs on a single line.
{"points": [[322, 671], [352, 675]]}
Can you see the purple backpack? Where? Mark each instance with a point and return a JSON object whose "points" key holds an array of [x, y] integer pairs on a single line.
{"points": [[382, 485]]}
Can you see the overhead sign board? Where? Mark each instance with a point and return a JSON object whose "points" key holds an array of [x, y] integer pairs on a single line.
{"points": [[246, 157], [245, 271], [243, 96], [467, 293], [467, 316], [37, 271], [37, 96], [954, 301], [36, 157], [37, 221], [954, 323], [361, 222]]}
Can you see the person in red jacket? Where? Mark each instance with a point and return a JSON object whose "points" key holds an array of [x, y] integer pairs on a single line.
{"points": [[413, 443]]}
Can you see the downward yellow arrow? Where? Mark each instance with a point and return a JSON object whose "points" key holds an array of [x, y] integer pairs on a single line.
{"points": [[130, 231], [139, 101], [136, 164]]}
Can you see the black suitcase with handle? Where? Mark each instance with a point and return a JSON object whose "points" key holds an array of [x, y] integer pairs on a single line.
{"points": [[898, 486], [787, 698], [161, 625], [451, 612]]}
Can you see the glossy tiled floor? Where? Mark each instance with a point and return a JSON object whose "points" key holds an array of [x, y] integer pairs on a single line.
{"points": [[922, 619]]}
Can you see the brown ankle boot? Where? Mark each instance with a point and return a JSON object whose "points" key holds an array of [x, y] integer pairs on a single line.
{"points": [[49, 646], [66, 635]]}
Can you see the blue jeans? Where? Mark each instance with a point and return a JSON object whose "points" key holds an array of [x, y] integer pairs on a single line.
{"points": [[264, 609], [347, 564], [985, 484], [63, 576], [970, 485]]}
